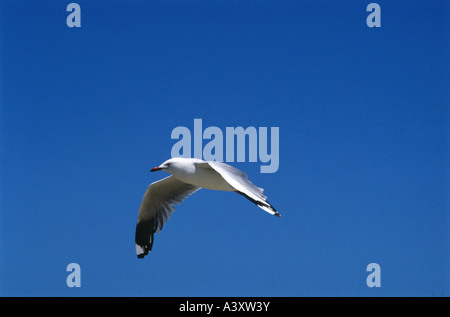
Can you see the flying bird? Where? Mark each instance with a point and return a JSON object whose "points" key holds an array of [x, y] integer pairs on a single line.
{"points": [[187, 176]]}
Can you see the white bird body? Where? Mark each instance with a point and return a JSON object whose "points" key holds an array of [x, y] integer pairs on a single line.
{"points": [[194, 171], [188, 176]]}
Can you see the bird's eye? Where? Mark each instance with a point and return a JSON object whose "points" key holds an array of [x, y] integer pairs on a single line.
{"points": [[168, 164]]}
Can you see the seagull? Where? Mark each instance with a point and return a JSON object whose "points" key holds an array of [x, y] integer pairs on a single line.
{"points": [[188, 175]]}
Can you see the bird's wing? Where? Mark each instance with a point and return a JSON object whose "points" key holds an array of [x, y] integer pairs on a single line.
{"points": [[240, 182], [156, 207]]}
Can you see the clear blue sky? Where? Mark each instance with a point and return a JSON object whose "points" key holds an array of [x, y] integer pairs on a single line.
{"points": [[363, 115]]}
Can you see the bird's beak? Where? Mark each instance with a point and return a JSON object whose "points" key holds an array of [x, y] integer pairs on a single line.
{"points": [[154, 169]]}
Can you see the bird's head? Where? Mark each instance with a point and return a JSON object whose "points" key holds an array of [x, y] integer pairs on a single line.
{"points": [[171, 165], [166, 166], [177, 166]]}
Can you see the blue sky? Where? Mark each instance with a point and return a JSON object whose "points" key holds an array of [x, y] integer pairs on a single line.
{"points": [[363, 119]]}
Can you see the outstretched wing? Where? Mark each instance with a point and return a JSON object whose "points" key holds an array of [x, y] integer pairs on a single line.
{"points": [[240, 182], [156, 207]]}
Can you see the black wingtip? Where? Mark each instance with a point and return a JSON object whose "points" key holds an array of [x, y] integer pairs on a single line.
{"points": [[143, 251], [145, 231], [260, 203]]}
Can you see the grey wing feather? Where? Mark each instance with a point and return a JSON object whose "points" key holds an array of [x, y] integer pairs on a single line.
{"points": [[240, 182], [239, 176]]}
